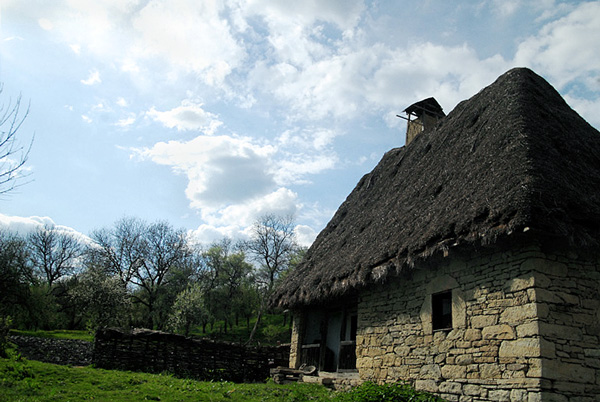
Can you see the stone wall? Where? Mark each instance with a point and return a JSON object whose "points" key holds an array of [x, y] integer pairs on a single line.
{"points": [[157, 352], [57, 351], [567, 291], [525, 327]]}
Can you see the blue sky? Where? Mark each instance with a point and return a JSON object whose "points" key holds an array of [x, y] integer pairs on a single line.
{"points": [[209, 114]]}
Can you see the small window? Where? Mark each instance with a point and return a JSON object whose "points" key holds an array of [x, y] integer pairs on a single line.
{"points": [[441, 310]]}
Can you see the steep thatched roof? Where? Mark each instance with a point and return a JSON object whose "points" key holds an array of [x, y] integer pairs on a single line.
{"points": [[514, 158]]}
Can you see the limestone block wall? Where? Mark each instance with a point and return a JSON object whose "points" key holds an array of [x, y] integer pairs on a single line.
{"points": [[511, 339], [568, 289]]}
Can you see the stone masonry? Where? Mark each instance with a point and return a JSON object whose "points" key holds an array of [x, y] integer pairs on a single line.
{"points": [[526, 327]]}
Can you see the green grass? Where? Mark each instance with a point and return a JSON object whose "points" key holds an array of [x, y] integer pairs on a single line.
{"points": [[33, 381], [23, 380], [58, 334]]}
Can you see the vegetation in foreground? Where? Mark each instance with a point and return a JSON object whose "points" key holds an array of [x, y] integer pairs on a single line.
{"points": [[25, 380]]}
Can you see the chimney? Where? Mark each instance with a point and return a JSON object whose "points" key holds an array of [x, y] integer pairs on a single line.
{"points": [[421, 116]]}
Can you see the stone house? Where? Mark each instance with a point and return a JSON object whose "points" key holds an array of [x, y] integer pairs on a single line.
{"points": [[468, 261]]}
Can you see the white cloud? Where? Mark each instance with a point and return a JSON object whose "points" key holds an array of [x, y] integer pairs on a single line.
{"points": [[130, 66], [586, 108], [294, 168], [188, 116], [367, 80], [126, 122], [189, 34], [22, 225], [345, 14], [506, 8], [46, 24], [25, 225], [93, 78], [207, 234], [282, 201], [305, 235], [85, 118], [232, 180], [75, 48], [11, 38], [313, 139], [221, 170], [122, 102], [235, 221], [565, 49]]}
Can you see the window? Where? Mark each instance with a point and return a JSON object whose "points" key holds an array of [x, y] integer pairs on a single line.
{"points": [[441, 310]]}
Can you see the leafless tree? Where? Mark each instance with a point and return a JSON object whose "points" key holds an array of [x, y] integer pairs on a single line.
{"points": [[13, 155], [272, 245], [164, 249], [53, 253], [119, 250]]}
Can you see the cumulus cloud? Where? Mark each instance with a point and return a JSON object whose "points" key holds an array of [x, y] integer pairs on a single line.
{"points": [[188, 116], [220, 169], [25, 225], [235, 221], [232, 180]]}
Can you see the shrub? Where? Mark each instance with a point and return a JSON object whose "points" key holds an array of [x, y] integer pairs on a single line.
{"points": [[396, 392], [5, 324]]}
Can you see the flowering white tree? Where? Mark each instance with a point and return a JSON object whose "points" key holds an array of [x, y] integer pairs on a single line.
{"points": [[188, 310]]}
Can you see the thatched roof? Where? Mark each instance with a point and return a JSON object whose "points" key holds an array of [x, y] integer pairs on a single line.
{"points": [[514, 159]]}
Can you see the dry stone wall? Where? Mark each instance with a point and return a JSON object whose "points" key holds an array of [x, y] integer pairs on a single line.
{"points": [[525, 328], [57, 351]]}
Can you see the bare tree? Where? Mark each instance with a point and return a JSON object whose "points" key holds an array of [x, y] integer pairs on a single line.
{"points": [[272, 246], [164, 249], [119, 250], [53, 253], [13, 156]]}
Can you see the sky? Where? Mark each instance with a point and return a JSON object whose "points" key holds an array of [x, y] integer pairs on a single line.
{"points": [[210, 114]]}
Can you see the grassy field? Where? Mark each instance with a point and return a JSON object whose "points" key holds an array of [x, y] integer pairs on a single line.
{"points": [[33, 381], [23, 380]]}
